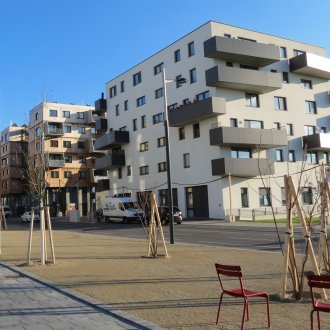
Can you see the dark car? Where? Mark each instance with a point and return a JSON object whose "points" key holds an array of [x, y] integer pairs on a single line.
{"points": [[165, 214]]}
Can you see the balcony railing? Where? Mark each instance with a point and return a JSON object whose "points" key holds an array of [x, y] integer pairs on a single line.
{"points": [[111, 140], [110, 161], [53, 129]]}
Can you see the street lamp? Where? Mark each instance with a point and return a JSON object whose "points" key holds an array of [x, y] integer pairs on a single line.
{"points": [[168, 159]]}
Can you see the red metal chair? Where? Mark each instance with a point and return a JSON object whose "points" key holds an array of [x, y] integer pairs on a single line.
{"points": [[320, 282], [235, 271]]}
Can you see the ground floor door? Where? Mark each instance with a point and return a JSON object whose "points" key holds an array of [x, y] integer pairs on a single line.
{"points": [[197, 202]]}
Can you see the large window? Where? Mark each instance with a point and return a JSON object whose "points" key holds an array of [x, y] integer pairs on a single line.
{"points": [[309, 130], [279, 155], [177, 56], [161, 142], [244, 197], [140, 101], [67, 144], [307, 195], [282, 52], [81, 129], [304, 83], [53, 113], [54, 174], [113, 91], [137, 78], [289, 129], [291, 156], [241, 153], [196, 131], [264, 196], [144, 170], [280, 103], [202, 96], [252, 100], [311, 157], [159, 117], [193, 75], [158, 93], [67, 129], [66, 114], [310, 107], [54, 143], [80, 115], [253, 124], [158, 68], [162, 167], [191, 49], [144, 146]]}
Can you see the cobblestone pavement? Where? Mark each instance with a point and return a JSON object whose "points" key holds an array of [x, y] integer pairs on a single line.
{"points": [[26, 302]]}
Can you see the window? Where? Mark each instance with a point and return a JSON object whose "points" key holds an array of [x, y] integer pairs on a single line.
{"points": [[244, 197], [193, 76], [54, 174], [67, 144], [137, 78], [233, 122], [81, 159], [122, 86], [120, 173], [113, 91], [158, 118], [311, 157], [81, 144], [310, 107], [68, 159], [202, 96], [182, 134], [144, 146], [52, 113], [280, 103], [123, 128], [241, 153], [158, 93], [134, 121], [289, 129], [186, 160], [304, 83], [279, 155], [264, 197], [307, 195], [162, 167], [158, 68], [117, 110], [129, 170], [80, 115], [177, 56], [247, 39], [309, 130], [143, 121], [144, 170], [297, 52], [67, 129], [196, 131], [325, 158], [282, 52], [54, 143], [285, 77], [140, 101], [67, 174], [277, 125], [226, 35], [323, 129], [252, 100], [229, 64], [126, 105], [66, 114], [161, 142], [81, 129], [172, 106], [248, 67], [253, 124], [191, 49], [36, 117], [291, 156]]}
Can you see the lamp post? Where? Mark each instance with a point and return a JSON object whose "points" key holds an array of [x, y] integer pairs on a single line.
{"points": [[168, 158]]}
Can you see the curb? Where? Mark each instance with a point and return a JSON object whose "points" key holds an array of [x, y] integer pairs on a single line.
{"points": [[91, 302]]}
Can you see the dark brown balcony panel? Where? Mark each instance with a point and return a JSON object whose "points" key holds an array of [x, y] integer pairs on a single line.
{"points": [[248, 137], [317, 142], [211, 107], [111, 140], [241, 51], [243, 79], [101, 124], [100, 106], [53, 129], [109, 162], [243, 167], [311, 65]]}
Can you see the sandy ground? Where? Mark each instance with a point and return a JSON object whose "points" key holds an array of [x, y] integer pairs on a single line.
{"points": [[179, 292]]}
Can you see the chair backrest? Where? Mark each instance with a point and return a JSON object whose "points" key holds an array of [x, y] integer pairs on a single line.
{"points": [[229, 271], [318, 281]]}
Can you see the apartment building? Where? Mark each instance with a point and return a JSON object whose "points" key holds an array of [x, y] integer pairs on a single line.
{"points": [[65, 134], [13, 188], [251, 103]]}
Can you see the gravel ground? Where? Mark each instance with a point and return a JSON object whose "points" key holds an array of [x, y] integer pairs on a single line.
{"points": [[179, 292]]}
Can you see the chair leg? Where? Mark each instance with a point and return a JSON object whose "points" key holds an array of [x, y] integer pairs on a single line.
{"points": [[245, 306], [311, 316], [247, 309], [268, 311], [216, 322], [318, 320]]}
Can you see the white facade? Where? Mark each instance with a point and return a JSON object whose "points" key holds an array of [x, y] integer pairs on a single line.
{"points": [[212, 198]]}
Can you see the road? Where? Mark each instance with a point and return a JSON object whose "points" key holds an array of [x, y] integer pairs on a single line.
{"points": [[261, 237]]}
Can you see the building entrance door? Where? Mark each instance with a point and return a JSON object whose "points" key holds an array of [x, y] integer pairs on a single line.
{"points": [[197, 202]]}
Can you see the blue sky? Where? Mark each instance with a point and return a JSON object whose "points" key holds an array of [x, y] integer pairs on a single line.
{"points": [[66, 50]]}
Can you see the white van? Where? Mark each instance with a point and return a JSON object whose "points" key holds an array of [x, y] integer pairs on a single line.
{"points": [[122, 209]]}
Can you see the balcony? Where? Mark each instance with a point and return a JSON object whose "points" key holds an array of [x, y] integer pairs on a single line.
{"points": [[248, 137], [100, 106], [317, 142], [110, 161], [243, 79], [97, 175], [91, 147], [55, 160], [53, 129], [111, 140], [197, 111], [311, 65], [91, 117], [241, 51], [101, 124], [243, 167]]}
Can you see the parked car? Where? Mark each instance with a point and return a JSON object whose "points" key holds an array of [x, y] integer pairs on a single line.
{"points": [[164, 215], [27, 216]]}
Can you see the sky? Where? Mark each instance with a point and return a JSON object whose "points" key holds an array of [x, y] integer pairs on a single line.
{"points": [[66, 50]]}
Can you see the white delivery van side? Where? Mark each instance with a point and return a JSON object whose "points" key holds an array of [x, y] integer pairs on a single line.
{"points": [[121, 209]]}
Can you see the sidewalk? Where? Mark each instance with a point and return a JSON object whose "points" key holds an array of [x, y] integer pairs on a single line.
{"points": [[27, 302]]}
